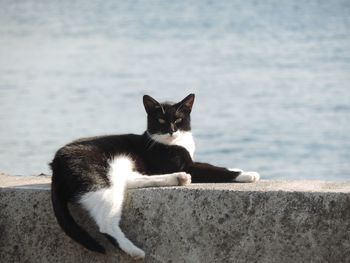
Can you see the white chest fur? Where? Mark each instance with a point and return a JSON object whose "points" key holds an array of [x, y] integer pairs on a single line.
{"points": [[180, 138]]}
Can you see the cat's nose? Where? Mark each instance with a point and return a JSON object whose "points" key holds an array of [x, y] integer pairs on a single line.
{"points": [[172, 128]]}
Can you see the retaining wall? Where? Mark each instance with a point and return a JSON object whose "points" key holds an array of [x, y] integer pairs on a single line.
{"points": [[268, 221]]}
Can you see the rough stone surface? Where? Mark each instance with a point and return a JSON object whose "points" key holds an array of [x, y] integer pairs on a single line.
{"points": [[269, 221]]}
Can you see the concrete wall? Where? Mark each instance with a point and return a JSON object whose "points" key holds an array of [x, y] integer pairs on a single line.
{"points": [[270, 221]]}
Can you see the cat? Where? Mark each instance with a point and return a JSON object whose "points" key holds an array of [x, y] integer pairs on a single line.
{"points": [[94, 172]]}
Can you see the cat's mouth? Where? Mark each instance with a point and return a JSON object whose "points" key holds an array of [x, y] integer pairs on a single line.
{"points": [[169, 137], [166, 138], [173, 134]]}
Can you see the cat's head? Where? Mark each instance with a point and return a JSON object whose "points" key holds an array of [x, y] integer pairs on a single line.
{"points": [[168, 118]]}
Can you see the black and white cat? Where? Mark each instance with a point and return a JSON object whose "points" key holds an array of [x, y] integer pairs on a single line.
{"points": [[95, 172]]}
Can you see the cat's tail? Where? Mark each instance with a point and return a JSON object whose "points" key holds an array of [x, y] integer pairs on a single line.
{"points": [[68, 224]]}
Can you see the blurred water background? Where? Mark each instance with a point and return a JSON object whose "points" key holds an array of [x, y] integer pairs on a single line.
{"points": [[272, 79]]}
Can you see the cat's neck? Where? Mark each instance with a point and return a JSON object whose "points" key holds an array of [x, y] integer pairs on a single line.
{"points": [[179, 138]]}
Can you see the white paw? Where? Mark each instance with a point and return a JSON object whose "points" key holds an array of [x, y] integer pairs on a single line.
{"points": [[137, 254], [183, 178], [247, 177]]}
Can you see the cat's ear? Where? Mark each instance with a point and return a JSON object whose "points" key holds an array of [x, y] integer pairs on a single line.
{"points": [[187, 103], [150, 104]]}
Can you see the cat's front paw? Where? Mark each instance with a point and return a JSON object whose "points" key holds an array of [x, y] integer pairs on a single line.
{"points": [[237, 170], [247, 177], [183, 178]]}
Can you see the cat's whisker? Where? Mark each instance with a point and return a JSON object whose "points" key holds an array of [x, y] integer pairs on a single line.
{"points": [[150, 142]]}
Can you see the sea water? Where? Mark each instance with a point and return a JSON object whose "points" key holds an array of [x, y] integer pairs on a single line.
{"points": [[271, 78]]}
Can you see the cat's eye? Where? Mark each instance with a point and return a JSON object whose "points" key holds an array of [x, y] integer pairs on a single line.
{"points": [[161, 120], [178, 120]]}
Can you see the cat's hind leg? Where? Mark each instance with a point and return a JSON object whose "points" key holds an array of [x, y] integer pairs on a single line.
{"points": [[105, 207]]}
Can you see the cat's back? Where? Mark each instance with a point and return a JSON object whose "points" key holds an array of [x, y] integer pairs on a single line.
{"points": [[108, 145]]}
